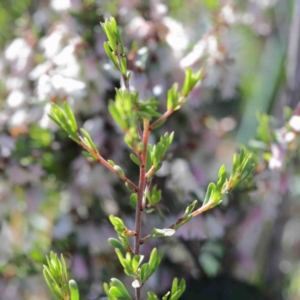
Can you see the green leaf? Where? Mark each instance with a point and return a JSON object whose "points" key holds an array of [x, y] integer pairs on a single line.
{"points": [[135, 159], [210, 190], [71, 116], [136, 261], [119, 170], [189, 209], [190, 81], [55, 275], [153, 258], [115, 292], [133, 199], [116, 244], [55, 120], [73, 290], [117, 223], [51, 282], [152, 296], [88, 139], [111, 162], [106, 290], [176, 295], [88, 155], [121, 288], [173, 97], [123, 65], [174, 286]]}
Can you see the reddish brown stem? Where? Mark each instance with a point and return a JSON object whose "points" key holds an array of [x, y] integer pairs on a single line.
{"points": [[139, 204], [151, 171], [161, 119], [168, 113], [195, 213], [202, 209], [102, 161]]}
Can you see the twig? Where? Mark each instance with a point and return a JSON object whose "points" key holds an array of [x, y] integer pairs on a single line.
{"points": [[178, 222], [164, 117], [161, 119], [101, 160], [139, 204]]}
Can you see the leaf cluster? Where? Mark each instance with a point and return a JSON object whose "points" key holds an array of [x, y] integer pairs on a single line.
{"points": [[114, 48], [55, 274], [123, 232], [174, 294], [242, 167]]}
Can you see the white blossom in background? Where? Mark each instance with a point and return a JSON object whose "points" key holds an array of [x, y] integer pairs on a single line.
{"points": [[295, 123], [61, 5], [278, 157], [18, 54]]}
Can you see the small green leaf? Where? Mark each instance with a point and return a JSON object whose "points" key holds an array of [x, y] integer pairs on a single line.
{"points": [[119, 170], [106, 290], [73, 290], [115, 292], [88, 139], [189, 209], [135, 159], [136, 261], [88, 155], [121, 288], [153, 258], [166, 296], [133, 199], [174, 286], [210, 190], [152, 296], [71, 116], [111, 162], [117, 223], [116, 244]]}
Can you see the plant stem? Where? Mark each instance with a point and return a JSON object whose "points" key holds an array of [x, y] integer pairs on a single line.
{"points": [[161, 119], [165, 116], [174, 225], [139, 205], [102, 161], [125, 81], [202, 209]]}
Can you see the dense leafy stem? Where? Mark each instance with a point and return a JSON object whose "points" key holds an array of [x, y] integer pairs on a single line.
{"points": [[135, 117]]}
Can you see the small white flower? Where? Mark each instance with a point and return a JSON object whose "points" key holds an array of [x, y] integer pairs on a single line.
{"points": [[295, 123], [278, 157]]}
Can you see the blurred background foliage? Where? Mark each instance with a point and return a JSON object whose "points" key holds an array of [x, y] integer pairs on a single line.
{"points": [[51, 197]]}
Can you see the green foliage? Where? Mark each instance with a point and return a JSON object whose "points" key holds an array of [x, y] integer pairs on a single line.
{"points": [[159, 150], [176, 291], [242, 167], [190, 81], [122, 233], [153, 196], [149, 268], [65, 119], [55, 273], [133, 115], [116, 290]]}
